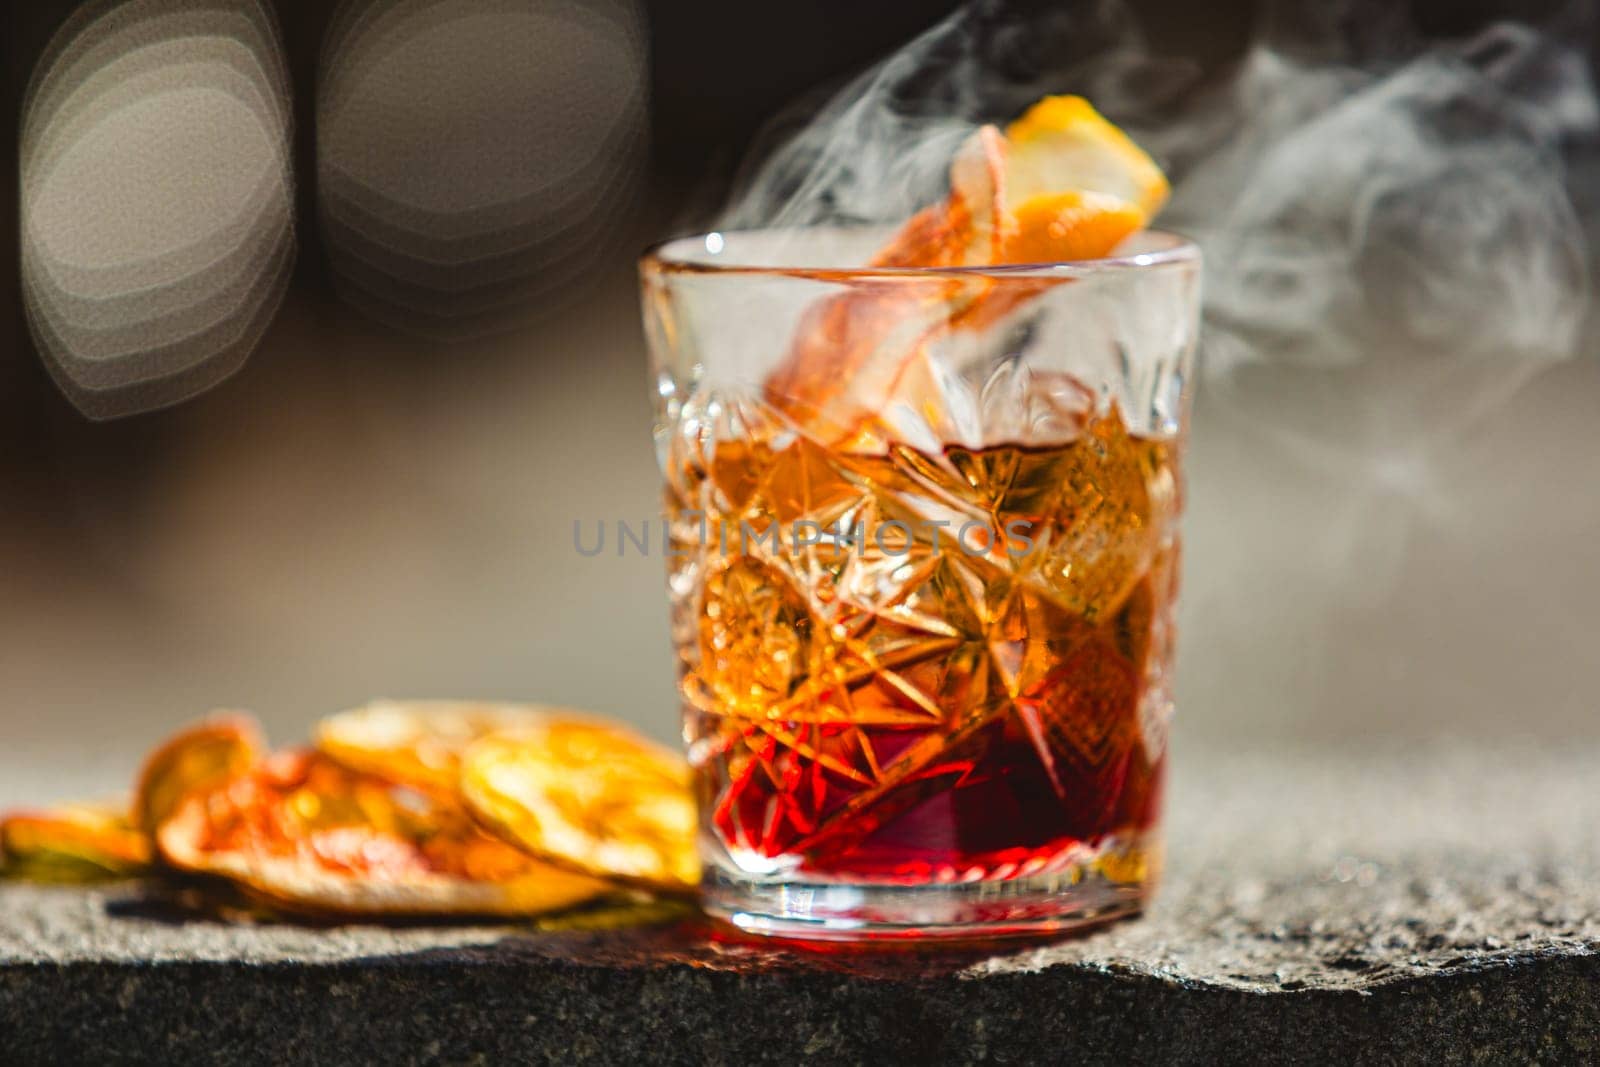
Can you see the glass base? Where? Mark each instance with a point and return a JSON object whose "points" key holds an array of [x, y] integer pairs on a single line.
{"points": [[973, 911]]}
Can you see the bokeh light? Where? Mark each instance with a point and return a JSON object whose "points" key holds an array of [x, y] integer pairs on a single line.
{"points": [[156, 200], [473, 153]]}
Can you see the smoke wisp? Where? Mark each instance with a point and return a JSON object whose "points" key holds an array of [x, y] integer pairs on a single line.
{"points": [[1355, 188], [1399, 235], [880, 148]]}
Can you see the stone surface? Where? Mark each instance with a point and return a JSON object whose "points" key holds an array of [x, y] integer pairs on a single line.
{"points": [[1439, 904]]}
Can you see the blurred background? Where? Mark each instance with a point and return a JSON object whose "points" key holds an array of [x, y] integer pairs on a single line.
{"points": [[321, 331]]}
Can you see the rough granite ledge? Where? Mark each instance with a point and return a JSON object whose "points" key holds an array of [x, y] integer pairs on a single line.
{"points": [[1416, 905]]}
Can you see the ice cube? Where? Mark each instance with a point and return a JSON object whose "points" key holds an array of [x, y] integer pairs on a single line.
{"points": [[1108, 521]]}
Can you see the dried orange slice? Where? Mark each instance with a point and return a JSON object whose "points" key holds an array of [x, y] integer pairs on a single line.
{"points": [[589, 795], [72, 843], [1060, 184], [418, 742], [199, 757], [309, 835]]}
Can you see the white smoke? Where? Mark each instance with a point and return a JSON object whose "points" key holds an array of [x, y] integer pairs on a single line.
{"points": [[880, 148], [1394, 217], [1424, 204], [1402, 231], [1353, 187], [1399, 235]]}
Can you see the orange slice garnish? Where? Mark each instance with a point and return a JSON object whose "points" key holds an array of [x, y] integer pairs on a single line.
{"points": [[1062, 144], [968, 228], [1060, 184], [308, 835], [1074, 225]]}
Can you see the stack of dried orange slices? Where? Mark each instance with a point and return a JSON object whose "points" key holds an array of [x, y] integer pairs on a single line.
{"points": [[435, 808]]}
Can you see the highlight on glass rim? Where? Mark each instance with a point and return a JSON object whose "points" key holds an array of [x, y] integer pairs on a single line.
{"points": [[942, 532]]}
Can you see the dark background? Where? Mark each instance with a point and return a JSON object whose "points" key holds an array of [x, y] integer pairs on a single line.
{"points": [[719, 70], [361, 512]]}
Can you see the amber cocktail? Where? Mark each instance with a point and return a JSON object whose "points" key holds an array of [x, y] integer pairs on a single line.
{"points": [[924, 628]]}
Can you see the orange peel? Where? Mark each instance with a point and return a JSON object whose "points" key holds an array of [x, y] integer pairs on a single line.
{"points": [[1061, 184], [1062, 144]]}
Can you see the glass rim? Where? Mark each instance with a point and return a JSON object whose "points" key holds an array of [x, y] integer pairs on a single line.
{"points": [[669, 256]]}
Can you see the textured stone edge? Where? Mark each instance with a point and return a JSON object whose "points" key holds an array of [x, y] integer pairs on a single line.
{"points": [[466, 1005]]}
